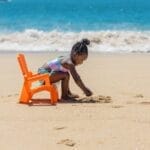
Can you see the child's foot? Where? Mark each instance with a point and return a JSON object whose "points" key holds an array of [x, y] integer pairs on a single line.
{"points": [[73, 95], [67, 98]]}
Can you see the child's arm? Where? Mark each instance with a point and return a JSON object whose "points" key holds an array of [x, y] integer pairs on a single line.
{"points": [[77, 79]]}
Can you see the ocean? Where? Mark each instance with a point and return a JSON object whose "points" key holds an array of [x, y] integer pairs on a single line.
{"points": [[55, 25]]}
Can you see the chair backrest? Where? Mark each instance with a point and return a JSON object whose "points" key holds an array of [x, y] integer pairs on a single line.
{"points": [[23, 64]]}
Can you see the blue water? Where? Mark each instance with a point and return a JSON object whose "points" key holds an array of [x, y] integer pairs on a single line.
{"points": [[74, 15], [50, 25]]}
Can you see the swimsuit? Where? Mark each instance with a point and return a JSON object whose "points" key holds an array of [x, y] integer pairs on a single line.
{"points": [[56, 65]]}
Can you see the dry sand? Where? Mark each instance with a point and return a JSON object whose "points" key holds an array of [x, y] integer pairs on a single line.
{"points": [[120, 124]]}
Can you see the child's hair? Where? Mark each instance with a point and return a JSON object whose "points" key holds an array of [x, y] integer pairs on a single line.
{"points": [[80, 47]]}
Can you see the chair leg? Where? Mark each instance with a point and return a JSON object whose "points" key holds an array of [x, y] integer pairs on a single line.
{"points": [[54, 95], [24, 98]]}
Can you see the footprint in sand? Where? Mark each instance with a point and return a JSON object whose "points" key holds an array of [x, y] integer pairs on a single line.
{"points": [[117, 106], [145, 103], [139, 96], [9, 95], [95, 99], [59, 128], [67, 142]]}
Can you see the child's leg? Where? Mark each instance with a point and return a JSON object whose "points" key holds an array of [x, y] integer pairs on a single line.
{"points": [[72, 95], [64, 77]]}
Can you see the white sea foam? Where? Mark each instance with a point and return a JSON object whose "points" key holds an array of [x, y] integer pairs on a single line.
{"points": [[101, 41]]}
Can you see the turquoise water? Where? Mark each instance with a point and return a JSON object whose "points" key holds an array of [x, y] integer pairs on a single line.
{"points": [[50, 25], [74, 15]]}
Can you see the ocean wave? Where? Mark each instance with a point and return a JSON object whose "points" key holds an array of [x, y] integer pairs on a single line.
{"points": [[101, 41]]}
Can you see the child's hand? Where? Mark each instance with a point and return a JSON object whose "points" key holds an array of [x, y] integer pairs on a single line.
{"points": [[88, 92]]}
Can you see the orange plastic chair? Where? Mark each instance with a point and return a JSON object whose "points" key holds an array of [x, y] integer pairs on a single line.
{"points": [[28, 91]]}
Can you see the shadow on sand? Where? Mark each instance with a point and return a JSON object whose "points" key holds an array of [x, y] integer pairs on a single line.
{"points": [[91, 99]]}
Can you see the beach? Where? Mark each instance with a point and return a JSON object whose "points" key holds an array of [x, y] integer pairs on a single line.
{"points": [[121, 124], [117, 115]]}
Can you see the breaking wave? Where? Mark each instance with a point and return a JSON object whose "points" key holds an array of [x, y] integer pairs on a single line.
{"points": [[101, 41]]}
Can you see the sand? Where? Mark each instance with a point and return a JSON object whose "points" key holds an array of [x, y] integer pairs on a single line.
{"points": [[120, 123]]}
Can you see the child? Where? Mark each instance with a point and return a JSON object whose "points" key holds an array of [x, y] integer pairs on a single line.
{"points": [[60, 69]]}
